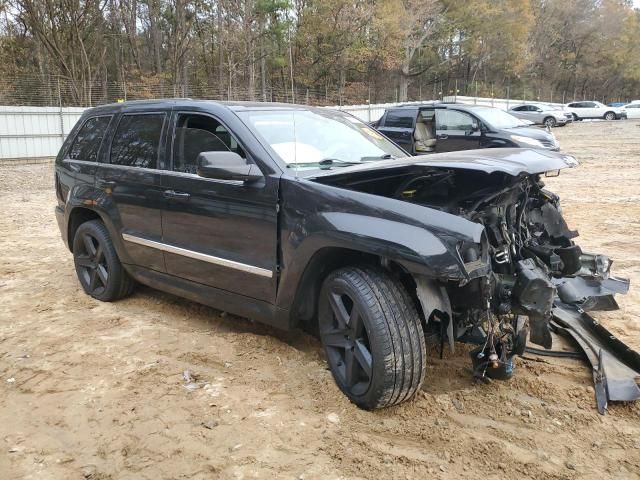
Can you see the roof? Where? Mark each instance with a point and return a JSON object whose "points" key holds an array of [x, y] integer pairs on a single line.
{"points": [[440, 105], [177, 102]]}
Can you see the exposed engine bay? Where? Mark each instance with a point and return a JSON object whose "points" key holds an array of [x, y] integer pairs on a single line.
{"points": [[525, 268]]}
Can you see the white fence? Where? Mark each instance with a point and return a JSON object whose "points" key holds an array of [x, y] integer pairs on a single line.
{"points": [[34, 132], [38, 132]]}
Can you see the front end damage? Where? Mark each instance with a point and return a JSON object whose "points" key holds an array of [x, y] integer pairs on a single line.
{"points": [[524, 279]]}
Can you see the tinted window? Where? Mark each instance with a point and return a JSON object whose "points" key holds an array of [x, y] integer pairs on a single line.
{"points": [[520, 109], [196, 134], [589, 104], [400, 118], [137, 140], [453, 120], [87, 143]]}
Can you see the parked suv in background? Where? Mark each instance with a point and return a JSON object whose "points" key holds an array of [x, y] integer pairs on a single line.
{"points": [[447, 127], [546, 115], [595, 110], [294, 215]]}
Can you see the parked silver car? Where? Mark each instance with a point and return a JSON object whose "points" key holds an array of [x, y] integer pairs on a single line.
{"points": [[541, 114]]}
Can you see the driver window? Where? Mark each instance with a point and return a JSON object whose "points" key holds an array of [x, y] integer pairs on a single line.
{"points": [[200, 133], [453, 122]]}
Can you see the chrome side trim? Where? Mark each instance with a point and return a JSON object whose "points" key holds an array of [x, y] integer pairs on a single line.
{"points": [[198, 256]]}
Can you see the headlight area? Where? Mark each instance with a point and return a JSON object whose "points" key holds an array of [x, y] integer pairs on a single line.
{"points": [[527, 141], [474, 257]]}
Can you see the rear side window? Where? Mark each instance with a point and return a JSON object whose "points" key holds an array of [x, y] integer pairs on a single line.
{"points": [[400, 118], [137, 140], [88, 140]]}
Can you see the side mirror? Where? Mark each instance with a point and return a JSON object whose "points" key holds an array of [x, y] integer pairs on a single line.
{"points": [[226, 166]]}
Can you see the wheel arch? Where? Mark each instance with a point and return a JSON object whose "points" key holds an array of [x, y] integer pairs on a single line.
{"points": [[326, 260], [77, 217]]}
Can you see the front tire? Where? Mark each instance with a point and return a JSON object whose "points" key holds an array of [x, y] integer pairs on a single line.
{"points": [[99, 270], [549, 122], [609, 116], [372, 336]]}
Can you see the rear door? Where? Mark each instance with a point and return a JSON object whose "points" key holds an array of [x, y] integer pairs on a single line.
{"points": [[220, 233], [398, 124], [132, 179], [455, 131]]}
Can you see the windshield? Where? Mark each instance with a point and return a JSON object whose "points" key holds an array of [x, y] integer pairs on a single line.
{"points": [[315, 138], [498, 118]]}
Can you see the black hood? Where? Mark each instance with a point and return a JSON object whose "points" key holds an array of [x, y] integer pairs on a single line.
{"points": [[531, 132], [512, 161]]}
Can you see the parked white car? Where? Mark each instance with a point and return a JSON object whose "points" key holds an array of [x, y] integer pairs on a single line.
{"points": [[633, 109], [588, 109], [541, 114]]}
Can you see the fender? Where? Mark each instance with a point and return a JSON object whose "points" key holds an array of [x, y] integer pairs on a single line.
{"points": [[421, 240]]}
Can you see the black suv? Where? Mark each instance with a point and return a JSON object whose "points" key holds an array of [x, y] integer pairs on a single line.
{"points": [[447, 127], [294, 215]]}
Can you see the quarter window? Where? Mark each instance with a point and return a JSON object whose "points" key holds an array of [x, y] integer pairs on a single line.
{"points": [[453, 121], [87, 143], [137, 140], [400, 118], [196, 134]]}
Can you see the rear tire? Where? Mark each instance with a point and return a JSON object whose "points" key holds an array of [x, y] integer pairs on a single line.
{"points": [[99, 270], [609, 116], [549, 122], [372, 335], [575, 117]]}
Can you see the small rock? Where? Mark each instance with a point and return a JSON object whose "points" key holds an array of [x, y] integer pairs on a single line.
{"points": [[211, 424], [458, 405], [236, 447], [11, 380], [333, 418], [89, 471], [570, 466], [442, 469]]}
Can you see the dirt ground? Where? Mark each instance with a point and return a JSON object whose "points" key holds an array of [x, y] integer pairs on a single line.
{"points": [[96, 390]]}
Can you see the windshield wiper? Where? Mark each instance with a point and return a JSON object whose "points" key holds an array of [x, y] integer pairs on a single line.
{"points": [[325, 163], [386, 156]]}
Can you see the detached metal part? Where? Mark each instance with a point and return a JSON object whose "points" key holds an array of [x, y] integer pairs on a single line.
{"points": [[616, 367]]}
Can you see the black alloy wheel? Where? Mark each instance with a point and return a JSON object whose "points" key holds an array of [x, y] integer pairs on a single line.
{"points": [[372, 336], [99, 270], [91, 264], [347, 343]]}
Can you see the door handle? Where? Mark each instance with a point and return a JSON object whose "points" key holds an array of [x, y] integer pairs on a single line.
{"points": [[442, 136], [178, 196]]}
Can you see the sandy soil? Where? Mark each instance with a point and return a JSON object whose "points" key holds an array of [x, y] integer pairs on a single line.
{"points": [[96, 390]]}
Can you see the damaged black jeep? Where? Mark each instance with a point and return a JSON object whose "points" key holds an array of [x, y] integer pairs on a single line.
{"points": [[302, 216]]}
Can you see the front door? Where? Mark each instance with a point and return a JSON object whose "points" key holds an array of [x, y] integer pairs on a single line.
{"points": [[219, 233], [456, 130], [132, 180]]}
